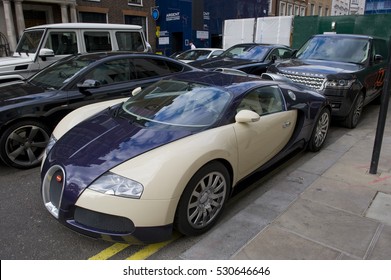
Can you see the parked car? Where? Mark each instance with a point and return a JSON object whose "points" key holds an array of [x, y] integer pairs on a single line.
{"points": [[41, 45], [29, 110], [198, 54], [170, 156], [250, 58], [348, 69]]}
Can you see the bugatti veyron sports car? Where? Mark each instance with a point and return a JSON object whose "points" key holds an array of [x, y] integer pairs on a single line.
{"points": [[170, 156]]}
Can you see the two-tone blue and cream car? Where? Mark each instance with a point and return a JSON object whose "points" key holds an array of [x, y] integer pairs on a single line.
{"points": [[170, 156]]}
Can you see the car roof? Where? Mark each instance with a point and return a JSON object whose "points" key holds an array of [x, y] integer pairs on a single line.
{"points": [[84, 25], [260, 44], [110, 54], [204, 49], [344, 35], [234, 83]]}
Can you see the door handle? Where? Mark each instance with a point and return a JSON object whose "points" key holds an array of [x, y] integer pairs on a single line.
{"points": [[286, 124]]}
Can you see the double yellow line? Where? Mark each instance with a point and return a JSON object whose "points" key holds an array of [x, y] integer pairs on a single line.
{"points": [[142, 254]]}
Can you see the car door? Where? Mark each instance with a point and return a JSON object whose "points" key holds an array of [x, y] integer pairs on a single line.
{"points": [[261, 140], [375, 72]]}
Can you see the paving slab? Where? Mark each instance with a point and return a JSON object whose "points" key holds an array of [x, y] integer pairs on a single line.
{"points": [[230, 236], [341, 195], [321, 162], [382, 248], [344, 231], [380, 208], [276, 243]]}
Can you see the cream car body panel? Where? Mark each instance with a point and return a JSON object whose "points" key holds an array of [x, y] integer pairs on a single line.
{"points": [[263, 139], [144, 213]]}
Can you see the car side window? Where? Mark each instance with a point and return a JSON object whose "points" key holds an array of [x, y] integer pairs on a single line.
{"points": [[97, 41], [280, 54], [379, 47], [264, 100], [114, 71], [62, 42], [145, 68], [129, 41]]}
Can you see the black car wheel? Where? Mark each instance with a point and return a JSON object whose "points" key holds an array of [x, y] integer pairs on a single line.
{"points": [[320, 131], [203, 200], [355, 113], [22, 145]]}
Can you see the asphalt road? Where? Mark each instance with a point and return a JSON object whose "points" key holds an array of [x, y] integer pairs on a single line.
{"points": [[29, 232]]}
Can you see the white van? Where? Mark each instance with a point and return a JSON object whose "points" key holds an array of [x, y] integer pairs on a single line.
{"points": [[41, 45]]}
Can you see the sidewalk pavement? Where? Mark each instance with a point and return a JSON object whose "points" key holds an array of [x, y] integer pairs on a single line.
{"points": [[325, 206]]}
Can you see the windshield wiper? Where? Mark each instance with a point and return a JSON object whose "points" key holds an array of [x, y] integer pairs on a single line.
{"points": [[114, 110]]}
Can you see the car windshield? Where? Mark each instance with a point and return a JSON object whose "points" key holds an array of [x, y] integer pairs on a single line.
{"points": [[58, 74], [29, 42], [178, 103], [353, 50], [247, 52]]}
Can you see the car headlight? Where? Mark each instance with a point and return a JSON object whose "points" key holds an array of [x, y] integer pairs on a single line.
{"points": [[342, 83], [113, 184], [50, 144]]}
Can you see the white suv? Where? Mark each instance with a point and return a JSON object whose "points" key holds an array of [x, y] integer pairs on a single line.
{"points": [[41, 45]]}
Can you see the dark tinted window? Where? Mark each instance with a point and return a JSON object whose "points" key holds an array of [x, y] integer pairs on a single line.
{"points": [[145, 68], [129, 41], [380, 47], [97, 41], [114, 71]]}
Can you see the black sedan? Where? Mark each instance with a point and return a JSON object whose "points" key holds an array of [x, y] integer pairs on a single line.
{"points": [[250, 58], [29, 110]]}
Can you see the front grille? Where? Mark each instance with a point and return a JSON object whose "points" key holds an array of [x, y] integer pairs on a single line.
{"points": [[52, 189], [312, 82], [103, 222]]}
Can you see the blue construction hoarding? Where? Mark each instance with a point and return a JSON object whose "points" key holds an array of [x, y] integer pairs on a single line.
{"points": [[200, 21]]}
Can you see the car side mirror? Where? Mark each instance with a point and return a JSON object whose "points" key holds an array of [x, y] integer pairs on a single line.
{"points": [[378, 58], [246, 116], [88, 84], [44, 53], [274, 58], [136, 91]]}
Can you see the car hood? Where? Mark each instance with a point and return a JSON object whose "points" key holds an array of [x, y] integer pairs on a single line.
{"points": [[321, 67], [100, 143], [220, 63], [18, 92], [16, 60]]}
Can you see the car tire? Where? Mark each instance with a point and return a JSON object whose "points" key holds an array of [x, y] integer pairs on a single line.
{"points": [[22, 145], [203, 199], [320, 131], [354, 116]]}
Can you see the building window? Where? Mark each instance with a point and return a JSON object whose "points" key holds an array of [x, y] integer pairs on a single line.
{"points": [[137, 20], [320, 11], [290, 10], [326, 11], [92, 17], [282, 9], [302, 11], [296, 10], [312, 12], [135, 2]]}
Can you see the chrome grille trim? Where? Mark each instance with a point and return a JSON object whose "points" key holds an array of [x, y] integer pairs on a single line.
{"points": [[313, 82], [46, 190]]}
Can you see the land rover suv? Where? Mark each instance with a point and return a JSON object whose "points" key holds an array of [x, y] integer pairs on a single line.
{"points": [[348, 69]]}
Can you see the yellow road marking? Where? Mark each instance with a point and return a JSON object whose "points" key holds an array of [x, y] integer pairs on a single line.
{"points": [[151, 249], [110, 251]]}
